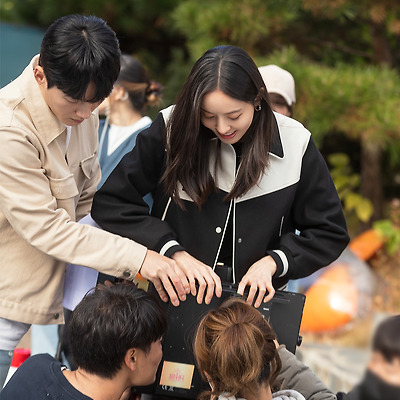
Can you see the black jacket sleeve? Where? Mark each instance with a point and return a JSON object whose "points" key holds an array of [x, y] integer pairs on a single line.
{"points": [[119, 207], [317, 213]]}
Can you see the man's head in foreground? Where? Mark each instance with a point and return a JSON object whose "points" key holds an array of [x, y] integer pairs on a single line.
{"points": [[118, 327]]}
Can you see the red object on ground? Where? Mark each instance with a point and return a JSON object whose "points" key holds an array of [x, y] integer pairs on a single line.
{"points": [[20, 355]]}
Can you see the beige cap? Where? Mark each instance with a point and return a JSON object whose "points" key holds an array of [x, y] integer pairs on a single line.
{"points": [[278, 80]]}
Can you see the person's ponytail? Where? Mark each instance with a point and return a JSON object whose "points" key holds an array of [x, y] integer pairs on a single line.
{"points": [[234, 348]]}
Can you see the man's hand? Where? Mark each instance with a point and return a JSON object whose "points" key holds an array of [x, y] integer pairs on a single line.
{"points": [[169, 281], [195, 270], [259, 278]]}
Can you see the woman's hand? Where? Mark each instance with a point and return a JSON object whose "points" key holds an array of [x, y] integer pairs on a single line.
{"points": [[195, 270], [259, 278], [169, 281]]}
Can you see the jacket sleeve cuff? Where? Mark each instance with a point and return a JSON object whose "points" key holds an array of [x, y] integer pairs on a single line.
{"points": [[171, 247], [282, 262]]}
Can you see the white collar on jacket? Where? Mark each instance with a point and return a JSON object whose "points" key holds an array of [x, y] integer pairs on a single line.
{"points": [[287, 150]]}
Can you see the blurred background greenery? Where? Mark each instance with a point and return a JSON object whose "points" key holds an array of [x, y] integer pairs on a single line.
{"points": [[343, 54]]}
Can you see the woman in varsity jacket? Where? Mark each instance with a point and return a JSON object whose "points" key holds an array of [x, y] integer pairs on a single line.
{"points": [[233, 184]]}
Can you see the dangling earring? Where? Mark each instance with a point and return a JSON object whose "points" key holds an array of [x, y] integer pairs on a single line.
{"points": [[258, 107]]}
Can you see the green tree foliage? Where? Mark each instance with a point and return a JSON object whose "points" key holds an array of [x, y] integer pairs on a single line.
{"points": [[380, 22], [356, 207], [381, 28], [389, 228], [242, 23], [360, 101]]}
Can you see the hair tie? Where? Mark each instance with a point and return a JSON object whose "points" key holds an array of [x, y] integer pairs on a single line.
{"points": [[154, 86]]}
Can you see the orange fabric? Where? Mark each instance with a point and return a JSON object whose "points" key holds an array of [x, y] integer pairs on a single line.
{"points": [[365, 245], [331, 302]]}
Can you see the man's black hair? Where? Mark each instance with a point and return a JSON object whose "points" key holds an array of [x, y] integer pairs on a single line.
{"points": [[77, 50], [111, 320], [386, 339]]}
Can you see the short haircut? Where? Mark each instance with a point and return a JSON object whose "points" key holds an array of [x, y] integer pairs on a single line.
{"points": [[111, 320], [77, 50], [386, 339]]}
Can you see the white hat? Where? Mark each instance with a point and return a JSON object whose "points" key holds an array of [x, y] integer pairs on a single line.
{"points": [[278, 80]]}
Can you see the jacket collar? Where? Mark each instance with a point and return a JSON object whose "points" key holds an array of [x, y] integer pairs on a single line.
{"points": [[276, 143], [47, 124]]}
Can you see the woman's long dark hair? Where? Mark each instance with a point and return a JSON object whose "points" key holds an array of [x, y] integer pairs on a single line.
{"points": [[231, 70]]}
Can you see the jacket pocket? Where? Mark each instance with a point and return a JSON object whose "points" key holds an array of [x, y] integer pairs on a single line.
{"points": [[87, 165], [63, 188]]}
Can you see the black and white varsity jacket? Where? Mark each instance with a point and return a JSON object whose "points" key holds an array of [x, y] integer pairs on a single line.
{"points": [[295, 192]]}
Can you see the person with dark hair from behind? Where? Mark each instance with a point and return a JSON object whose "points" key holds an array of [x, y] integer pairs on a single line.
{"points": [[49, 173], [115, 334], [382, 376], [124, 109], [237, 353]]}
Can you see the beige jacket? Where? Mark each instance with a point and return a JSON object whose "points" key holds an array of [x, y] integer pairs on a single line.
{"points": [[43, 192]]}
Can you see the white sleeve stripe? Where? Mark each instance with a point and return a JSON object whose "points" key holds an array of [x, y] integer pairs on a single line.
{"points": [[285, 262], [167, 246]]}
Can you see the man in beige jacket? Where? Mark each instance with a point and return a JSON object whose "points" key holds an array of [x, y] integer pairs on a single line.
{"points": [[48, 176]]}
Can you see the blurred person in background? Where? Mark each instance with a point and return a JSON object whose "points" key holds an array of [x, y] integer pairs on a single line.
{"points": [[382, 376], [281, 88], [125, 115], [381, 380]]}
